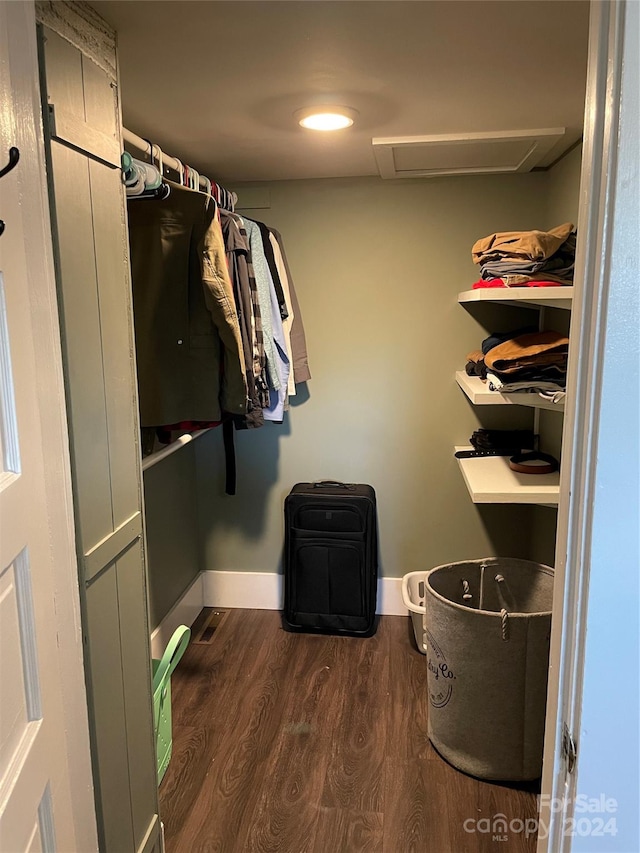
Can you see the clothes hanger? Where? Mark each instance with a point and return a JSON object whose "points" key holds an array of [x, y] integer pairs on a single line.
{"points": [[159, 156], [143, 180], [133, 176], [126, 163], [159, 194], [139, 176], [189, 177], [153, 175], [180, 170]]}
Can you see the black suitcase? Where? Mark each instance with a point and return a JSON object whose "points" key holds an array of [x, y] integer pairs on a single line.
{"points": [[330, 559]]}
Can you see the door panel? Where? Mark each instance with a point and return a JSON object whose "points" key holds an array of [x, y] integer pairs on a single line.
{"points": [[20, 706], [36, 808]]}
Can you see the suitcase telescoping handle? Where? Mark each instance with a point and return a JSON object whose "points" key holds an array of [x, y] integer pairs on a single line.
{"points": [[320, 484]]}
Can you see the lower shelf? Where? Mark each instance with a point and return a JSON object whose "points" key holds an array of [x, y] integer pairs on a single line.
{"points": [[490, 481]]}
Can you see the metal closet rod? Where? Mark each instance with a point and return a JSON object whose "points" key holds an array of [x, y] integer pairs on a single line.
{"points": [[171, 162], [153, 458]]}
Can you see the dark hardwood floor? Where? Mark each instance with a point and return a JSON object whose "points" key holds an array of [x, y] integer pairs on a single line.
{"points": [[292, 743]]}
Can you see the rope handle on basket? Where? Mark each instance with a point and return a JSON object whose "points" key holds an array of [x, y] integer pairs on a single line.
{"points": [[172, 654], [505, 624], [504, 614]]}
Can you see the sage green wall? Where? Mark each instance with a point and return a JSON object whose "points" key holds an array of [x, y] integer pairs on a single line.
{"points": [[377, 266], [563, 196], [563, 186], [173, 556]]}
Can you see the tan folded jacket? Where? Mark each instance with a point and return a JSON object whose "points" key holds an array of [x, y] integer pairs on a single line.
{"points": [[520, 245], [533, 349]]}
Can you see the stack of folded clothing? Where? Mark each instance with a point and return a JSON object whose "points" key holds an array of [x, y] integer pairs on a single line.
{"points": [[526, 258], [523, 361], [535, 362], [475, 365]]}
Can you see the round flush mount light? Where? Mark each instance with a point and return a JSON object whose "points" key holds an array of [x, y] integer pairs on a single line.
{"points": [[326, 117]]}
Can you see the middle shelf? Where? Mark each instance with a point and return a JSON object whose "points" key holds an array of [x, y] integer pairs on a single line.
{"points": [[490, 480], [478, 392]]}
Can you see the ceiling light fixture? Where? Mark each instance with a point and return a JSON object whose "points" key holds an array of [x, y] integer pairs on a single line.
{"points": [[326, 117]]}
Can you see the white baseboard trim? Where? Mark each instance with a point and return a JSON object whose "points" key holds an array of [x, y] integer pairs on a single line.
{"points": [[253, 590], [390, 597], [184, 612], [264, 591]]}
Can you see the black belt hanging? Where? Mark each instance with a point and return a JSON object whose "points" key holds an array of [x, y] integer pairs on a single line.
{"points": [[229, 456]]}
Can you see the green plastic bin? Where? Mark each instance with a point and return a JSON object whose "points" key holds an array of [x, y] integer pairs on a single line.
{"points": [[162, 670]]}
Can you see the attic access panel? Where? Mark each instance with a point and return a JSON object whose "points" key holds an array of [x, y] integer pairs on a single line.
{"points": [[498, 152]]}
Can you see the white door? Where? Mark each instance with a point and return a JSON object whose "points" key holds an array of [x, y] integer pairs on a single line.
{"points": [[43, 730], [590, 790]]}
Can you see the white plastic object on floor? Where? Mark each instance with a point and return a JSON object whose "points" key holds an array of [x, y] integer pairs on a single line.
{"points": [[413, 598]]}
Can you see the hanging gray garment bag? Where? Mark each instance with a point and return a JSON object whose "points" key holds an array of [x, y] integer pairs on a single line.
{"points": [[487, 634]]}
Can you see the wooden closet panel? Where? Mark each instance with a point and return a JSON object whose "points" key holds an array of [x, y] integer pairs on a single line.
{"points": [[82, 100], [64, 75], [114, 295], [134, 638], [100, 99], [109, 722], [91, 243], [82, 344]]}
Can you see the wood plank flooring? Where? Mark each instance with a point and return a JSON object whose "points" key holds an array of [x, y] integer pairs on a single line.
{"points": [[292, 743]]}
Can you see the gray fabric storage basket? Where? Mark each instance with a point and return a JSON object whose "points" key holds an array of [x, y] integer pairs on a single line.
{"points": [[488, 658]]}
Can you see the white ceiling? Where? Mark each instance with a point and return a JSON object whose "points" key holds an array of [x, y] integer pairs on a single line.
{"points": [[216, 83]]}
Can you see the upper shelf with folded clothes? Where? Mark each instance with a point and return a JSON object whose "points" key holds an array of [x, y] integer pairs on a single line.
{"points": [[534, 297], [525, 267]]}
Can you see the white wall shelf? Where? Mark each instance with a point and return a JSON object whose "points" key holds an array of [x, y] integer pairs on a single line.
{"points": [[526, 297], [490, 481], [478, 392]]}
